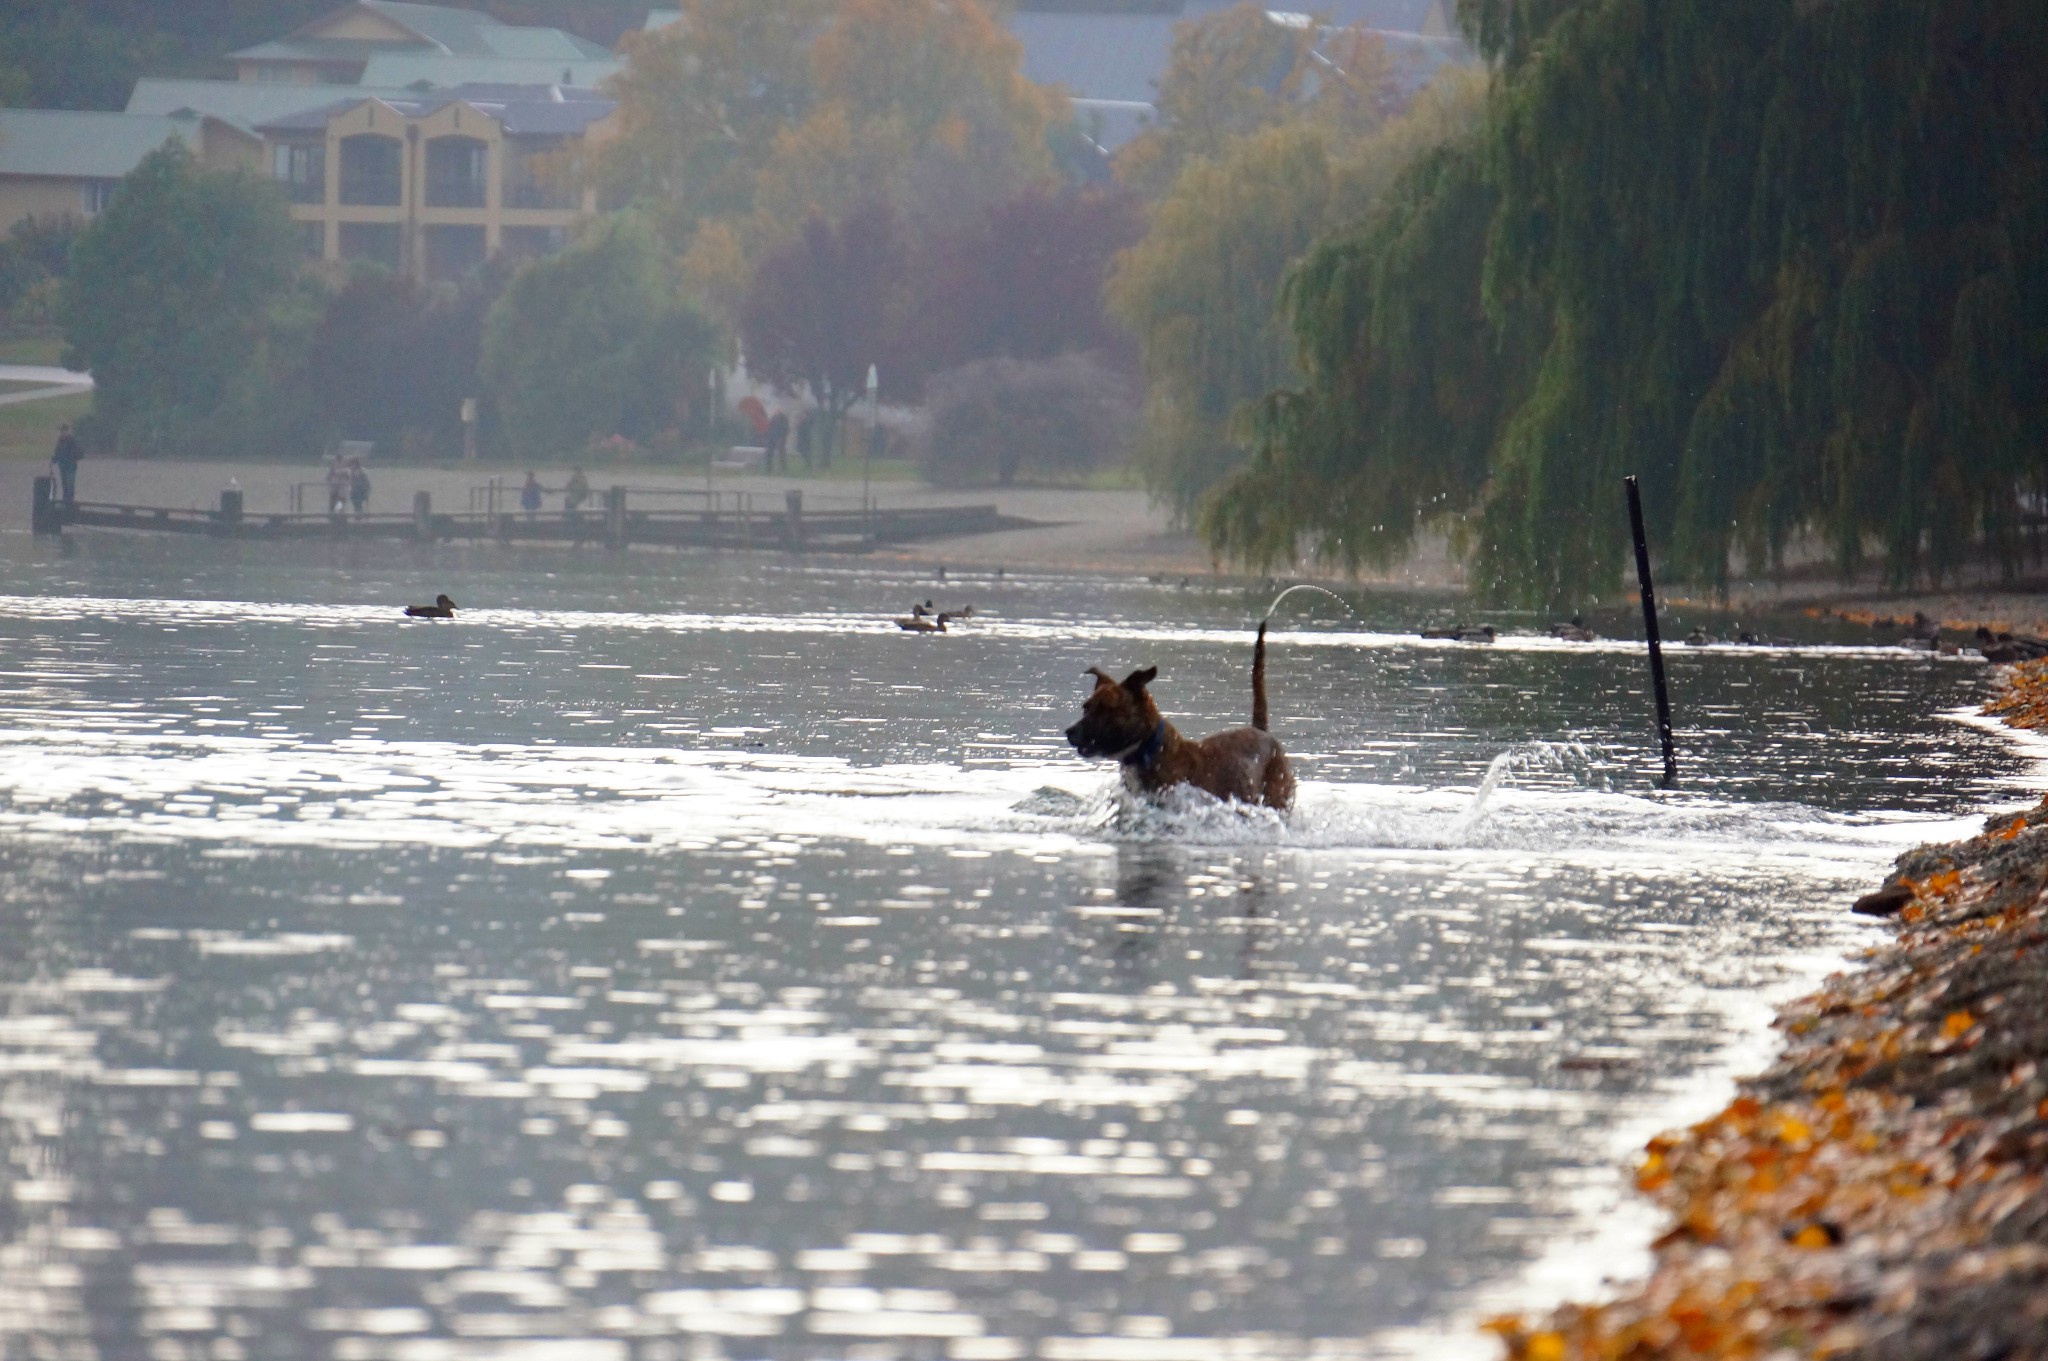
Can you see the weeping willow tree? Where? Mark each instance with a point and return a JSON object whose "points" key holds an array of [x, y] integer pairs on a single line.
{"points": [[1780, 257]]}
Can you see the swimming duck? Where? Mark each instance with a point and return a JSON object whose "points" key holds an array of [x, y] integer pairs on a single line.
{"points": [[1463, 633], [442, 608], [917, 623], [1573, 630], [1699, 637], [916, 620], [964, 612]]}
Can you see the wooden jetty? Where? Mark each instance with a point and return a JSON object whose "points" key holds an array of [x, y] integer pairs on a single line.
{"points": [[708, 519]]}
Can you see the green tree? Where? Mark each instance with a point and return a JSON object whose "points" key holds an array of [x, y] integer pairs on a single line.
{"points": [[592, 342], [178, 295], [1768, 254], [1201, 290]]}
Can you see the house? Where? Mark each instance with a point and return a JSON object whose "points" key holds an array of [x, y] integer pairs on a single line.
{"points": [[1111, 64], [336, 48], [434, 183], [66, 162]]}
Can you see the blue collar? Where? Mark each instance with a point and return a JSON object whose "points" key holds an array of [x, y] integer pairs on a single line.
{"points": [[1148, 751]]}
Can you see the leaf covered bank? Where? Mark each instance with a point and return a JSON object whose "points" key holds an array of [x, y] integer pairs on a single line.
{"points": [[1879, 1193]]}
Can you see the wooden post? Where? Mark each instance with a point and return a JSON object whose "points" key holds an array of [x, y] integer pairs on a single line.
{"points": [[793, 519], [1635, 520], [46, 512], [422, 515]]}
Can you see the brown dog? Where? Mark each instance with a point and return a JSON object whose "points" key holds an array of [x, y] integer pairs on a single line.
{"points": [[1120, 723]]}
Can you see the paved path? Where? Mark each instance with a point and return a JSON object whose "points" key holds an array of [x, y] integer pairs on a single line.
{"points": [[60, 382]]}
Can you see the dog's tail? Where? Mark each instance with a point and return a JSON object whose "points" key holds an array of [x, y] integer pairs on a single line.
{"points": [[1259, 679]]}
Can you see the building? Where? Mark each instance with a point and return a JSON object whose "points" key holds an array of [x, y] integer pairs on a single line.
{"points": [[435, 183], [66, 163], [336, 48]]}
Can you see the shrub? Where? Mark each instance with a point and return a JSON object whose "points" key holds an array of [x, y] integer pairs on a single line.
{"points": [[995, 419]]}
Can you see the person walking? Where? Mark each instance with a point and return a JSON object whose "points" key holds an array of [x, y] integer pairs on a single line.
{"points": [[65, 460], [778, 443]]}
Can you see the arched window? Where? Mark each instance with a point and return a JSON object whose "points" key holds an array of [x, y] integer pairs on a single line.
{"points": [[370, 170], [456, 172]]}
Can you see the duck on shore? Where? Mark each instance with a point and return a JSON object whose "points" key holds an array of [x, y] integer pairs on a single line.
{"points": [[442, 608]]}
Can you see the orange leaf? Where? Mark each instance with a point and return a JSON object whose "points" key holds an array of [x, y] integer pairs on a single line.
{"points": [[1956, 1024]]}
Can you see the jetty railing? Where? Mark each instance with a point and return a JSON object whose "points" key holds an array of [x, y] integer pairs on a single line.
{"points": [[619, 517]]}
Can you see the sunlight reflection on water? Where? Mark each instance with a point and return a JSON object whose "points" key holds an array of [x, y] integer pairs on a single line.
{"points": [[703, 978]]}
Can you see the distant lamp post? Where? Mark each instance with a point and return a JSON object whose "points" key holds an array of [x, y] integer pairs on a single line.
{"points": [[469, 427]]}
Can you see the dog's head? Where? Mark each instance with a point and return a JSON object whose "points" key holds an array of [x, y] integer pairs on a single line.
{"points": [[1117, 717]]}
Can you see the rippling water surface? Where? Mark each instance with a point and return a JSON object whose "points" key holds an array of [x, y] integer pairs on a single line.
{"points": [[677, 960]]}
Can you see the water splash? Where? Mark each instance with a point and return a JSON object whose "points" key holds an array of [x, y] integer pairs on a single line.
{"points": [[1305, 586], [1545, 755]]}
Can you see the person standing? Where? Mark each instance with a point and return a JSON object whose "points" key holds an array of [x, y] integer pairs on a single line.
{"points": [[358, 485], [65, 460], [778, 443], [337, 488], [529, 495]]}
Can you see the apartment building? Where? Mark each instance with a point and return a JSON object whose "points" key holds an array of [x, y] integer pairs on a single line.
{"points": [[435, 184]]}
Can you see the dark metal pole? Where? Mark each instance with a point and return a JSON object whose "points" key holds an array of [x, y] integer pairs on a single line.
{"points": [[1635, 522]]}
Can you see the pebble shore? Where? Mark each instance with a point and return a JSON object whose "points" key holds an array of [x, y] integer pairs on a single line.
{"points": [[1879, 1192]]}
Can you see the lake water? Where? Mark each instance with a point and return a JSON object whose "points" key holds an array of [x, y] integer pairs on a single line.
{"points": [[676, 960]]}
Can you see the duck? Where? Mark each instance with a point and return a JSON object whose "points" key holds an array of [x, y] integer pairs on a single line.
{"points": [[918, 618], [1573, 630], [917, 623], [1464, 633], [1699, 637], [442, 608], [964, 612]]}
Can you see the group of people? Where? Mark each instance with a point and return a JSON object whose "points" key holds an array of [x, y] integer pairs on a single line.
{"points": [[348, 486], [575, 492]]}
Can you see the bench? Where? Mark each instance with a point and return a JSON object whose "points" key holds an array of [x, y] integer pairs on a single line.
{"points": [[741, 458]]}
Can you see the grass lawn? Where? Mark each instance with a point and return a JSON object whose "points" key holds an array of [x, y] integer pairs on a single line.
{"points": [[28, 430], [31, 350]]}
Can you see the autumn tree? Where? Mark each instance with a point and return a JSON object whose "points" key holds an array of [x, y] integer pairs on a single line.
{"points": [[1200, 290], [1241, 70], [827, 305], [701, 103], [1026, 279], [921, 104]]}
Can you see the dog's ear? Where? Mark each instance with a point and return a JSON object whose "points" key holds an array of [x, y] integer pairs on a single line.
{"points": [[1138, 680], [1101, 677]]}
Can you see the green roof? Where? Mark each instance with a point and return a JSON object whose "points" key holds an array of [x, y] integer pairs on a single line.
{"points": [[81, 144], [245, 104], [437, 29], [401, 70]]}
